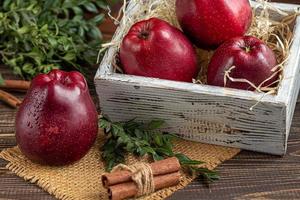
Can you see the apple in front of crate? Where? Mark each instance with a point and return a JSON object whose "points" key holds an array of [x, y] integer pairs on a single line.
{"points": [[57, 123], [246, 58], [154, 48], [208, 23]]}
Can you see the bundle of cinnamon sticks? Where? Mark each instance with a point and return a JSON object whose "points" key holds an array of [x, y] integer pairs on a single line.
{"points": [[119, 184], [12, 85]]}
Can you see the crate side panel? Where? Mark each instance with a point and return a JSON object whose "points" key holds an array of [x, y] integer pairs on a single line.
{"points": [[289, 88], [200, 117]]}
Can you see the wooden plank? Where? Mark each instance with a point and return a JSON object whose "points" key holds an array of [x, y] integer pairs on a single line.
{"points": [[7, 119], [287, 1], [243, 175], [253, 176], [12, 186]]}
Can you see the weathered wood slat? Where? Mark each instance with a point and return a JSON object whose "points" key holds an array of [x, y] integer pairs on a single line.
{"points": [[200, 117], [12, 186], [15, 188]]}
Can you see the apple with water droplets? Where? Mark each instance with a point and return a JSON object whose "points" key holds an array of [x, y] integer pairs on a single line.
{"points": [[57, 122]]}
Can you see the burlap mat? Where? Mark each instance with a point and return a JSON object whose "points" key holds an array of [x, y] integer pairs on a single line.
{"points": [[81, 181]]}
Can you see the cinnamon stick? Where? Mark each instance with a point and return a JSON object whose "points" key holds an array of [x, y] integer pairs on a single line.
{"points": [[9, 99], [162, 167], [129, 189], [19, 85]]}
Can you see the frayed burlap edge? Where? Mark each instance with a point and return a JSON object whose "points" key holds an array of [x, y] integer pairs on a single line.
{"points": [[82, 179]]}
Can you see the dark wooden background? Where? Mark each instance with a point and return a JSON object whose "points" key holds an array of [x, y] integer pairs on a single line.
{"points": [[249, 175]]}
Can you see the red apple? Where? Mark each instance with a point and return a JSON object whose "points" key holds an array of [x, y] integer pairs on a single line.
{"points": [[244, 58], [56, 123], [208, 23], [154, 48]]}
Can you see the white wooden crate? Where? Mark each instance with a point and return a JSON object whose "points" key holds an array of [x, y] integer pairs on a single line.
{"points": [[205, 113]]}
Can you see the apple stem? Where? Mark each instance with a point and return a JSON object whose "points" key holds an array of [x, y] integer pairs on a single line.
{"points": [[144, 35], [247, 49]]}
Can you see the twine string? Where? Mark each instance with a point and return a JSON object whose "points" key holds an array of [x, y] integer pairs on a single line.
{"points": [[142, 176]]}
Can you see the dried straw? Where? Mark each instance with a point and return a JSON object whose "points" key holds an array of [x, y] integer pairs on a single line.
{"points": [[276, 33]]}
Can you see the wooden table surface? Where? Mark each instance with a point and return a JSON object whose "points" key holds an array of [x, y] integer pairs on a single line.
{"points": [[249, 175]]}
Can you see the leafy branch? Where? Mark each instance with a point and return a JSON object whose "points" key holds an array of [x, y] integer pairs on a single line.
{"points": [[142, 139], [37, 36]]}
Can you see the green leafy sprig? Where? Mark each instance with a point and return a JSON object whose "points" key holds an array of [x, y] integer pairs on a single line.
{"points": [[37, 36], [1, 80], [142, 139]]}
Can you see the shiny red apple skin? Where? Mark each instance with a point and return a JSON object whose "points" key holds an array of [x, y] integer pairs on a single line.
{"points": [[208, 23], [154, 48], [255, 65], [56, 123]]}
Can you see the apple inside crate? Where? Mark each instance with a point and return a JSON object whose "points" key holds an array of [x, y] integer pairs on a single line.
{"points": [[204, 113]]}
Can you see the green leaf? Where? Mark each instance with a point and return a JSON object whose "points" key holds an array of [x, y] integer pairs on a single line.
{"points": [[184, 160], [91, 7], [1, 80], [81, 32], [117, 129], [46, 68], [138, 133], [77, 10], [130, 146], [70, 56], [28, 68], [155, 124], [17, 70], [98, 19], [206, 175], [165, 152], [31, 7], [95, 33], [78, 18], [16, 17], [149, 150], [104, 123], [36, 55], [36, 10], [6, 4], [158, 140], [44, 28], [103, 4], [23, 30], [53, 42], [157, 157]]}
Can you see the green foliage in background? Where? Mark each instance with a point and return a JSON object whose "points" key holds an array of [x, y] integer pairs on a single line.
{"points": [[37, 36], [1, 79]]}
